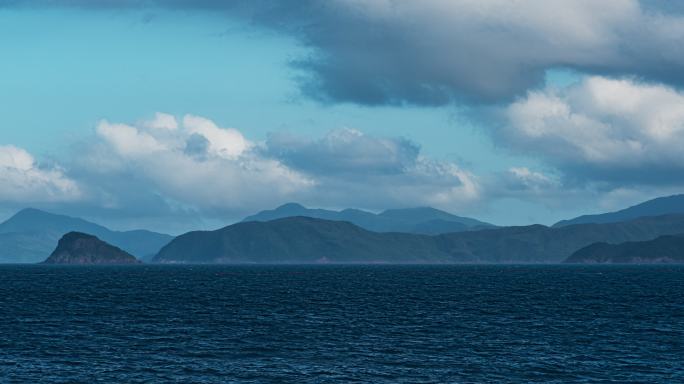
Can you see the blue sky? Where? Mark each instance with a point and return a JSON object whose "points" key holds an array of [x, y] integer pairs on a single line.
{"points": [[377, 111], [80, 67]]}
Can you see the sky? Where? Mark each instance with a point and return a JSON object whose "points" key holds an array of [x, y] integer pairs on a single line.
{"points": [[177, 115]]}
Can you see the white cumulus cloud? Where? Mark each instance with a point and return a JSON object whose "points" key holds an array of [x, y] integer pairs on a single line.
{"points": [[197, 164], [602, 129], [22, 180], [201, 166]]}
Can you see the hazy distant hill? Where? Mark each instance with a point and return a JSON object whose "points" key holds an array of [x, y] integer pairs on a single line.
{"points": [[538, 243], [664, 249], [656, 207], [412, 220], [31, 235], [309, 240]]}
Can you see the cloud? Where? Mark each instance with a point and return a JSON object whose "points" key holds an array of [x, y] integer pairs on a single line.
{"points": [[23, 181], [438, 51], [524, 179], [435, 51], [200, 174], [162, 121], [128, 140], [198, 165], [344, 151], [523, 183], [432, 52], [618, 131], [355, 169], [227, 143]]}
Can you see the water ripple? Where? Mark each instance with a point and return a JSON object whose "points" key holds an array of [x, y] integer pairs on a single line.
{"points": [[365, 324]]}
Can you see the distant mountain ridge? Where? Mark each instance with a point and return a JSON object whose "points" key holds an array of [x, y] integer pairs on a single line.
{"points": [[310, 240], [656, 207], [295, 234], [31, 235], [664, 249], [422, 220]]}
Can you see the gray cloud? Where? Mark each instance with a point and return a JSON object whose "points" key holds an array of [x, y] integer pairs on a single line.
{"points": [[344, 151], [435, 52], [358, 170]]}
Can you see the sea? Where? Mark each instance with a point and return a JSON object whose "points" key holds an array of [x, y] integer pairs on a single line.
{"points": [[342, 324]]}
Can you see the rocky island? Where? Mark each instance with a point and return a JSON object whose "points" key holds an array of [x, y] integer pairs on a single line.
{"points": [[83, 249]]}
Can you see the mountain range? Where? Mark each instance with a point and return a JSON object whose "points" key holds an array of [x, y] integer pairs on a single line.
{"points": [[31, 234], [422, 220], [310, 240], [656, 207], [294, 234]]}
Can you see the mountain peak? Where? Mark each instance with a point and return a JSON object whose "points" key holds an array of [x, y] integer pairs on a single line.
{"points": [[291, 207], [32, 212]]}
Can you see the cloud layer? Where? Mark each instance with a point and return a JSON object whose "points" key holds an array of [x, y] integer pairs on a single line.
{"points": [[615, 139], [166, 167]]}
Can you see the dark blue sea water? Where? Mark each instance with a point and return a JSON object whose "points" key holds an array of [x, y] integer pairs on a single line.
{"points": [[342, 324]]}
